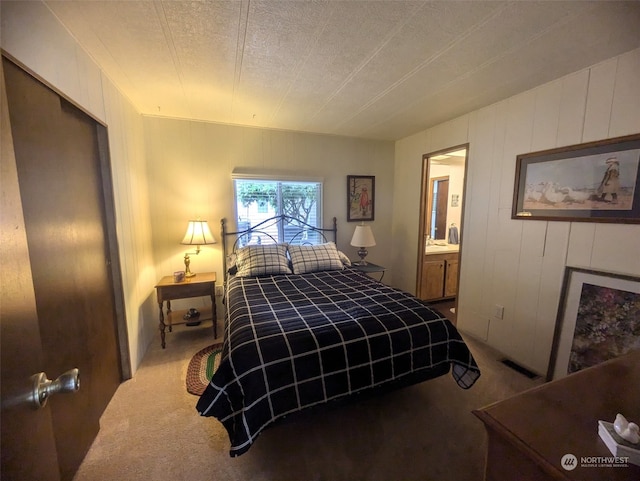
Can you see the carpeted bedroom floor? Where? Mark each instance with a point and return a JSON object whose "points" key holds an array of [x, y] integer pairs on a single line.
{"points": [[151, 429]]}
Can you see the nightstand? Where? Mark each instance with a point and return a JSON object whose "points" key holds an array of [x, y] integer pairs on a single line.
{"points": [[202, 284], [369, 268]]}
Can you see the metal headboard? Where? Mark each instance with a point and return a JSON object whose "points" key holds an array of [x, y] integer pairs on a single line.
{"points": [[292, 230]]}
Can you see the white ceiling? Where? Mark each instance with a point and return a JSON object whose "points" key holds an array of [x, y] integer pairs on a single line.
{"points": [[374, 69]]}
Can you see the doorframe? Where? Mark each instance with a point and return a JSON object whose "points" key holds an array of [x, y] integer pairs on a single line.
{"points": [[113, 253], [424, 205]]}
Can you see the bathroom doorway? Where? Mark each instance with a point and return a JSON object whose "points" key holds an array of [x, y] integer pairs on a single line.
{"points": [[440, 232]]}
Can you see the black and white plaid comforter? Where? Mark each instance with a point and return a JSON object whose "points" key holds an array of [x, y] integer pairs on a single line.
{"points": [[295, 341]]}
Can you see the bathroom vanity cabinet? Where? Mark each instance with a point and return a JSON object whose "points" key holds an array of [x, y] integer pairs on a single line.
{"points": [[439, 274]]}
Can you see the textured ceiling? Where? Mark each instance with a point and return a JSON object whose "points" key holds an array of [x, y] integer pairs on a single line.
{"points": [[374, 69]]}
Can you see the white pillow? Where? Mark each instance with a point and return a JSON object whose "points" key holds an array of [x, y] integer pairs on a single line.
{"points": [[262, 260], [322, 257], [343, 257]]}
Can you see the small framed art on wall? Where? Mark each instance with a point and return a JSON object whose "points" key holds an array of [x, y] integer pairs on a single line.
{"points": [[360, 197]]}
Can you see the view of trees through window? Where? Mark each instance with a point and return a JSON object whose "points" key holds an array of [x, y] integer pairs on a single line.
{"points": [[258, 200]]}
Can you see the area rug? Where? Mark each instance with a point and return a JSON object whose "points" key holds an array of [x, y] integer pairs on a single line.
{"points": [[201, 368]]}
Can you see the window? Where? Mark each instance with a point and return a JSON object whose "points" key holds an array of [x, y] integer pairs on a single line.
{"points": [[258, 200]]}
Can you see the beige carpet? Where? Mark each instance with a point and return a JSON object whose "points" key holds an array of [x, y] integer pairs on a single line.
{"points": [[151, 430]]}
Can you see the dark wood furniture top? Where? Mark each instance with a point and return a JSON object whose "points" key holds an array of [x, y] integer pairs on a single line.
{"points": [[531, 432], [202, 284], [369, 268]]}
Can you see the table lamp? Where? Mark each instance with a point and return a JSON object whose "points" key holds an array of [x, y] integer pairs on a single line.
{"points": [[363, 238], [198, 233]]}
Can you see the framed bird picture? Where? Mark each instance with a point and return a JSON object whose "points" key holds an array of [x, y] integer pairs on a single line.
{"points": [[592, 182]]}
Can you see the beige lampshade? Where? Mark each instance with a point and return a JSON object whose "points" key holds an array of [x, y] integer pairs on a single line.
{"points": [[198, 233], [363, 237]]}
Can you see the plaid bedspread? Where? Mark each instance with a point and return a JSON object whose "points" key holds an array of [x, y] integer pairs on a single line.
{"points": [[295, 341]]}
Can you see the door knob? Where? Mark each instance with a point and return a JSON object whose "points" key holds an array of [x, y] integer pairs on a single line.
{"points": [[44, 388]]}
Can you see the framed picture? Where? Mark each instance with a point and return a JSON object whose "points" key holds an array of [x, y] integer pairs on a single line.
{"points": [[593, 182], [361, 191], [598, 319]]}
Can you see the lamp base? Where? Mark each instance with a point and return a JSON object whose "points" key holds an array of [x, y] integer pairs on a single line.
{"points": [[187, 271], [362, 252]]}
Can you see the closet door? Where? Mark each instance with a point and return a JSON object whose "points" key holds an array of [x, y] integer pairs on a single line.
{"points": [[27, 443], [61, 187]]}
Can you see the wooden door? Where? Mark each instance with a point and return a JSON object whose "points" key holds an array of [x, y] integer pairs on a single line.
{"points": [[61, 188], [440, 207], [27, 442]]}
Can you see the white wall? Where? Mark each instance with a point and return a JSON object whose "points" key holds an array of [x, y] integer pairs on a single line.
{"points": [[32, 35], [514, 263], [189, 170]]}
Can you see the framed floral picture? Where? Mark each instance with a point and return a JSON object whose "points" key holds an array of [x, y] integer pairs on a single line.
{"points": [[360, 197], [598, 319]]}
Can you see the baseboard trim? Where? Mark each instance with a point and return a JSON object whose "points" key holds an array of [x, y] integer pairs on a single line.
{"points": [[518, 368]]}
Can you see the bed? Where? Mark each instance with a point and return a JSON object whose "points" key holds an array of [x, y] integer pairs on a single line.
{"points": [[303, 328]]}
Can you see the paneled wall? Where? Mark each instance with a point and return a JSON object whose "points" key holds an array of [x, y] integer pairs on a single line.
{"points": [[32, 35], [514, 263], [189, 171]]}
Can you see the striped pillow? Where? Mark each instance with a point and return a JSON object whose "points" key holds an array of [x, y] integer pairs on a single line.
{"points": [[322, 257], [262, 260]]}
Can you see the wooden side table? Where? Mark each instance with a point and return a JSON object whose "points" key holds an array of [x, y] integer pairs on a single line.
{"points": [[202, 284]]}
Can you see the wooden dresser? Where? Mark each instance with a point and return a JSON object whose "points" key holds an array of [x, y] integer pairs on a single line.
{"points": [[529, 434]]}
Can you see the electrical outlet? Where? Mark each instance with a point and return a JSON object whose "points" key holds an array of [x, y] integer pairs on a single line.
{"points": [[219, 291], [498, 311]]}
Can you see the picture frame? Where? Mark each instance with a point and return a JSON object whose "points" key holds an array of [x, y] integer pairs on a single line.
{"points": [[597, 316], [592, 182], [361, 198]]}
